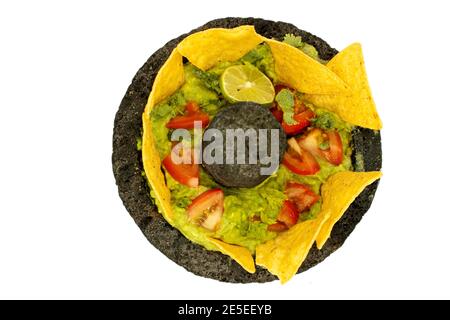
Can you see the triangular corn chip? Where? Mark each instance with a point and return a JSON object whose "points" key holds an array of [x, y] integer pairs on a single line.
{"points": [[357, 106], [152, 168], [207, 48], [338, 193], [168, 80], [240, 254], [296, 69], [284, 255]]}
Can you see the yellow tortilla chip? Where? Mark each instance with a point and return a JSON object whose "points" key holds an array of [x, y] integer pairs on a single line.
{"points": [[356, 107], [298, 70], [284, 255], [338, 192], [240, 254], [206, 48], [168, 80], [152, 168]]}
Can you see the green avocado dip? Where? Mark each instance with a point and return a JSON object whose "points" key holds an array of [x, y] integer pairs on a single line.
{"points": [[247, 212]]}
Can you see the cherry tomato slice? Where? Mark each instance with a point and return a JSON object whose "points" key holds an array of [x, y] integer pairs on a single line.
{"points": [[187, 121], [192, 107], [301, 195], [288, 214], [335, 153], [315, 138], [207, 209], [184, 173], [299, 160]]}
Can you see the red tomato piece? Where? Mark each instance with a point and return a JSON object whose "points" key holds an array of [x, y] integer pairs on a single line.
{"points": [[207, 209], [185, 173], [277, 113], [335, 153], [303, 120], [192, 107], [300, 161], [303, 115], [324, 144], [301, 195], [288, 214], [187, 120], [277, 227]]}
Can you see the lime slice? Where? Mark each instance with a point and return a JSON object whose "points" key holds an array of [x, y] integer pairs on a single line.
{"points": [[246, 83]]}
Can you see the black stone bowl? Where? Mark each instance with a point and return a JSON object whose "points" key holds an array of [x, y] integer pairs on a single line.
{"points": [[135, 194]]}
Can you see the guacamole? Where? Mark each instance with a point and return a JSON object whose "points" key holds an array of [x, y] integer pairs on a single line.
{"points": [[247, 212]]}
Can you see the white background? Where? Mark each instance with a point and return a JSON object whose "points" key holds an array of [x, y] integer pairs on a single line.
{"points": [[64, 67]]}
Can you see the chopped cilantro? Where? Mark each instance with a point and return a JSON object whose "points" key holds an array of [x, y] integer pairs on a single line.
{"points": [[170, 108], [285, 99], [210, 80], [325, 121], [261, 57]]}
